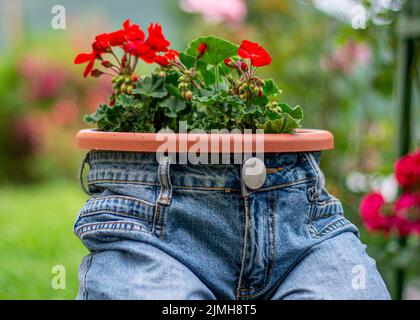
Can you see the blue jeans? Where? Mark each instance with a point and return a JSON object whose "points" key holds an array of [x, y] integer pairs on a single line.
{"points": [[157, 230]]}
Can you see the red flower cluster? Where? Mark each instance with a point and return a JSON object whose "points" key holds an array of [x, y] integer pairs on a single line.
{"points": [[258, 55], [404, 215], [134, 43], [407, 170]]}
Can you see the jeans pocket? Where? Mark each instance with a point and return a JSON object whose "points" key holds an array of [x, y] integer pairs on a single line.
{"points": [[113, 217], [325, 217]]}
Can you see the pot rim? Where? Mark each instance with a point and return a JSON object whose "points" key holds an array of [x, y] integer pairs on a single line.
{"points": [[304, 140]]}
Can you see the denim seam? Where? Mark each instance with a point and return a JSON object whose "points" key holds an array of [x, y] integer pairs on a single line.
{"points": [[118, 226], [140, 201], [274, 170], [270, 265], [85, 290], [203, 187], [245, 245], [288, 184], [96, 212], [333, 226], [341, 222]]}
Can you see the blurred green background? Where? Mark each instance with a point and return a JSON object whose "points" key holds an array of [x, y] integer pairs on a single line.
{"points": [[337, 59]]}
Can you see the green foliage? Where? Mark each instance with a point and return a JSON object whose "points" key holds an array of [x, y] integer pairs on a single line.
{"points": [[217, 49], [202, 92]]}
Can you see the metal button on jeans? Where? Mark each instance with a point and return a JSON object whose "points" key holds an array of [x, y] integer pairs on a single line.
{"points": [[254, 173]]}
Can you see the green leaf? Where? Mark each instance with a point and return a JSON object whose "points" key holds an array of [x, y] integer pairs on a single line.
{"points": [[270, 89], [151, 86], [172, 106], [296, 112], [217, 49]]}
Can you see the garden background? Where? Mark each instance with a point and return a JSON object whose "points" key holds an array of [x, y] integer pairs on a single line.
{"points": [[338, 59]]}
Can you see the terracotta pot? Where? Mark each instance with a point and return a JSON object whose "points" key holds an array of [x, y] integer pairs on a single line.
{"points": [[301, 141]]}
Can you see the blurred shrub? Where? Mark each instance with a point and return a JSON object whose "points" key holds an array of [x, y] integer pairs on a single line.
{"points": [[42, 102]]}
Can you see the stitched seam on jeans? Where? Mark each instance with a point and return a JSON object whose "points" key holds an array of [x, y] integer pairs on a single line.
{"points": [[156, 217], [85, 290], [96, 212], [102, 198], [274, 170], [269, 267], [123, 182], [162, 217], [329, 228], [168, 181], [288, 184], [333, 226], [118, 226], [162, 186], [245, 245], [158, 185]]}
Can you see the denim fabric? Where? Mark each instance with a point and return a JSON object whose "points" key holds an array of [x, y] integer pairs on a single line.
{"points": [[158, 230]]}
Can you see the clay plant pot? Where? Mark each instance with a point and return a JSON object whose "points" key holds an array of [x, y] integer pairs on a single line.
{"points": [[304, 140]]}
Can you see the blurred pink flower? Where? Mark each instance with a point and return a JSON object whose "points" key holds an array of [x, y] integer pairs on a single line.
{"points": [[231, 11], [65, 112], [26, 134], [407, 214], [345, 58], [43, 79], [407, 170], [372, 213]]}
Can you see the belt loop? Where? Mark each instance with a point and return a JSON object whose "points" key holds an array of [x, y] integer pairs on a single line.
{"points": [[80, 176], [165, 195], [315, 191]]}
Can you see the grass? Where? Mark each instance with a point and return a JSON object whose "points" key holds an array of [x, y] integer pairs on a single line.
{"points": [[36, 235]]}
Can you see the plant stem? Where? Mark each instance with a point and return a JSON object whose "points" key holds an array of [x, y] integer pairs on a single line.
{"points": [[400, 275], [115, 56], [216, 73]]}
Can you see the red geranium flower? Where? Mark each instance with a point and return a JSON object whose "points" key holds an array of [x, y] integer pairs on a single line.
{"points": [[86, 57], [156, 39], [258, 55], [165, 59], [407, 170], [132, 31], [371, 211], [101, 44], [117, 38]]}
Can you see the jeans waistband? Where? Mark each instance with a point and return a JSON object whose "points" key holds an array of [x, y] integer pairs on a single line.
{"points": [[144, 168]]}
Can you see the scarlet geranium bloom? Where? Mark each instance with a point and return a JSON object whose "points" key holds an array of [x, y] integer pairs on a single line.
{"points": [[101, 44], [117, 38], [407, 214], [258, 55], [371, 211], [165, 59], [132, 31], [156, 39], [407, 170], [86, 57]]}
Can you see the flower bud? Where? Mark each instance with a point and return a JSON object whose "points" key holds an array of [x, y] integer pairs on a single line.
{"points": [[130, 88], [96, 73], [201, 50], [106, 64], [188, 95], [229, 63], [242, 65]]}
